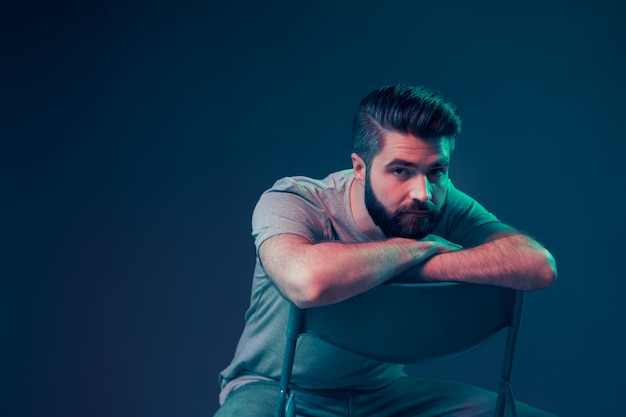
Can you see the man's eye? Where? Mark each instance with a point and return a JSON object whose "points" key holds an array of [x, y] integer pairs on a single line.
{"points": [[401, 171], [437, 172]]}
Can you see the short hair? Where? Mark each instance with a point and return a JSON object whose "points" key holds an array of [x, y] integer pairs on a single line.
{"points": [[404, 109]]}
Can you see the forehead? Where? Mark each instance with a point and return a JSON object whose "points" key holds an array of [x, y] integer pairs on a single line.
{"points": [[412, 149]]}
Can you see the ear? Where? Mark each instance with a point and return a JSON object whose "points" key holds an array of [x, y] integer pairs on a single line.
{"points": [[359, 168]]}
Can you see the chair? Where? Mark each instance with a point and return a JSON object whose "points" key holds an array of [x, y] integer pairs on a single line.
{"points": [[410, 324]]}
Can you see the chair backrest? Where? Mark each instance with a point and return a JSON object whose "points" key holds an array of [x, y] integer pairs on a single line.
{"points": [[412, 323]]}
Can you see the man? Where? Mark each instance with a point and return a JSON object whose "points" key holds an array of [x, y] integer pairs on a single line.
{"points": [[394, 216]]}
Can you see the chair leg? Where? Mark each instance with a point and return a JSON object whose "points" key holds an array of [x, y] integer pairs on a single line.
{"points": [[285, 403], [505, 400], [286, 406], [280, 404], [290, 406]]}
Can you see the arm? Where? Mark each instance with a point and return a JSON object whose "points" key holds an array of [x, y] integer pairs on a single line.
{"points": [[312, 274], [501, 257]]}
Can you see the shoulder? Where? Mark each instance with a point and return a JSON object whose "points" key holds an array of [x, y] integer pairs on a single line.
{"points": [[306, 185], [300, 205], [457, 200], [318, 193], [462, 216]]}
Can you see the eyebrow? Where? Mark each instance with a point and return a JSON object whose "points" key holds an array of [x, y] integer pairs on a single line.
{"points": [[409, 164]]}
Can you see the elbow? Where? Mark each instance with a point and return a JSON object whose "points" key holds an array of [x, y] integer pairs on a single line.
{"points": [[317, 286], [551, 273], [306, 289], [545, 279], [305, 298], [546, 272]]}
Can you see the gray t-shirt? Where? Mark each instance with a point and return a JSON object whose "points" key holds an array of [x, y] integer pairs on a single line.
{"points": [[318, 210]]}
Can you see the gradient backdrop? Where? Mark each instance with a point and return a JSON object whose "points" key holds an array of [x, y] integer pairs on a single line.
{"points": [[136, 139]]}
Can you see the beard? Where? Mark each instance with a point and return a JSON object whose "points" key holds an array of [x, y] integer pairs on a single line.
{"points": [[399, 223]]}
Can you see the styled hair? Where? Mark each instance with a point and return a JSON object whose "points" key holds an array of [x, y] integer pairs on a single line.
{"points": [[400, 108]]}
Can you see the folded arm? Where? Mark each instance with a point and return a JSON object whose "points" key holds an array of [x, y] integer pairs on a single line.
{"points": [[504, 257], [312, 274]]}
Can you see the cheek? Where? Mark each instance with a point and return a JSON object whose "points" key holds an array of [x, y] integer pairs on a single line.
{"points": [[387, 193], [439, 194]]}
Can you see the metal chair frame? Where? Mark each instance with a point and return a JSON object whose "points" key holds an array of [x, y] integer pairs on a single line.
{"points": [[374, 324]]}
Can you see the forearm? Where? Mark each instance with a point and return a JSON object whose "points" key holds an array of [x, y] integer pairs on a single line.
{"points": [[329, 272], [350, 269], [514, 261]]}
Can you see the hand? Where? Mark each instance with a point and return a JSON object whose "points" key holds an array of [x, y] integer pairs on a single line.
{"points": [[434, 245], [441, 245]]}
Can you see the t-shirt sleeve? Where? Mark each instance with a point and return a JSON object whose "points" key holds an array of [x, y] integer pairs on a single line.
{"points": [[464, 215], [281, 211]]}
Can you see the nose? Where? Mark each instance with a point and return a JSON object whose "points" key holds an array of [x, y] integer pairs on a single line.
{"points": [[420, 189]]}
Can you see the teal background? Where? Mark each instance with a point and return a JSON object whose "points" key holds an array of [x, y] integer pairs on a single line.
{"points": [[136, 139]]}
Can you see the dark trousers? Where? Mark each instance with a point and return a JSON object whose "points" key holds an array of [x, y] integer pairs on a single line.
{"points": [[406, 397]]}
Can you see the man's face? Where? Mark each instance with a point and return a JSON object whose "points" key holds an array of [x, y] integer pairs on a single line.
{"points": [[406, 185]]}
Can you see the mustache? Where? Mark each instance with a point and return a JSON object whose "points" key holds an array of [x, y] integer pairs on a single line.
{"points": [[427, 206]]}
